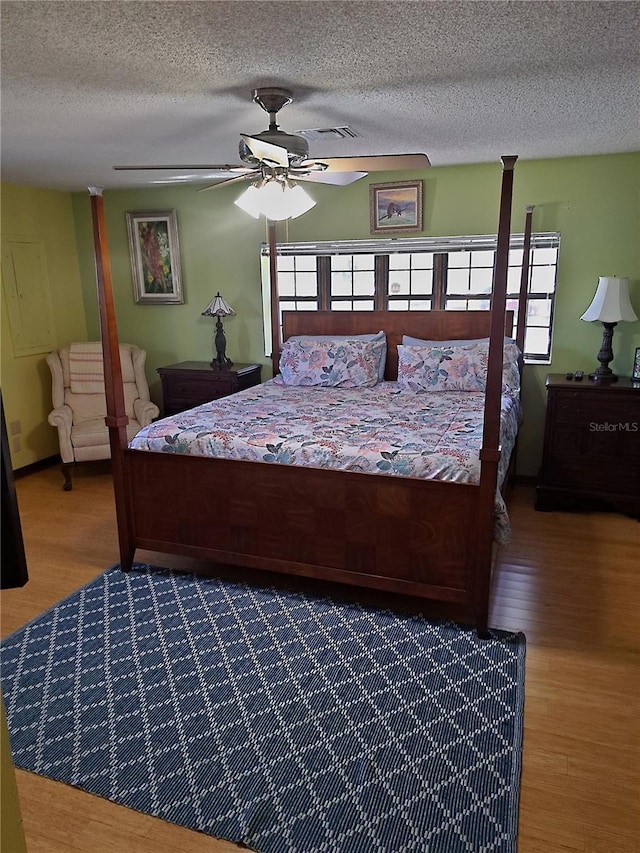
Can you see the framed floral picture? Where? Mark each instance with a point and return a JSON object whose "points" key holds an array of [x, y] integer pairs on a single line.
{"points": [[395, 207], [155, 256]]}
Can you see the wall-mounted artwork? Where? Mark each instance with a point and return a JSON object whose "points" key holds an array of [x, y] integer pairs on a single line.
{"points": [[155, 256], [395, 207]]}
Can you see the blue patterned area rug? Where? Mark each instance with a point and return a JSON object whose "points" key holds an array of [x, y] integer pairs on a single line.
{"points": [[286, 722]]}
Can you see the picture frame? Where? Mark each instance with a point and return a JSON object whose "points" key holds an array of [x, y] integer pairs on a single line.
{"points": [[635, 371], [395, 207], [155, 256]]}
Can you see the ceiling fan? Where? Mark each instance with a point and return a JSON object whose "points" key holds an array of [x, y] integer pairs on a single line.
{"points": [[273, 150]]}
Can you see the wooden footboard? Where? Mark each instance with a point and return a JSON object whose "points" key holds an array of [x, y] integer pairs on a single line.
{"points": [[388, 533]]}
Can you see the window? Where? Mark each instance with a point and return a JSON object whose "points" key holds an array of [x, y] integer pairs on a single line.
{"points": [[298, 282], [352, 282], [409, 285], [420, 274]]}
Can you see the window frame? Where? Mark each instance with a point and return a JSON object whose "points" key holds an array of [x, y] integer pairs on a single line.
{"points": [[440, 248]]}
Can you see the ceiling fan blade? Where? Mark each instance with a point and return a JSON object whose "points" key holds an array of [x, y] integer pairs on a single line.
{"points": [[216, 168], [272, 155], [254, 173], [339, 179], [373, 163]]}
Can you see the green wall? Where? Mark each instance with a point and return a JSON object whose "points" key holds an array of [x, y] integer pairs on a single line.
{"points": [[26, 380], [593, 201]]}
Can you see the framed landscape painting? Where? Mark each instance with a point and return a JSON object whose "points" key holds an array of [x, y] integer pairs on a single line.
{"points": [[155, 256], [395, 207]]}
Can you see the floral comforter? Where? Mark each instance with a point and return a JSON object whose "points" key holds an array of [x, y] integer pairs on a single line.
{"points": [[380, 430]]}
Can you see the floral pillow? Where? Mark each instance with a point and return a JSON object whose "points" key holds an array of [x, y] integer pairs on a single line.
{"points": [[330, 364], [378, 336], [445, 368], [454, 368], [510, 366]]}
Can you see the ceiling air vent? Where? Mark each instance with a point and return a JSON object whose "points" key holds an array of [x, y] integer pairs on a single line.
{"points": [[317, 134]]}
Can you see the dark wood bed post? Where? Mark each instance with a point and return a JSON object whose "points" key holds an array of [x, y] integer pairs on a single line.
{"points": [[490, 452], [116, 419], [523, 295], [273, 285], [524, 280]]}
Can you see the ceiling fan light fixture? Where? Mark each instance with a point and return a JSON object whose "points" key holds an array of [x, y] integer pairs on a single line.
{"points": [[275, 199], [298, 200], [273, 202], [250, 202]]}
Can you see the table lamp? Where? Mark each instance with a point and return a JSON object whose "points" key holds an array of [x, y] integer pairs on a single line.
{"points": [[218, 308], [610, 305]]}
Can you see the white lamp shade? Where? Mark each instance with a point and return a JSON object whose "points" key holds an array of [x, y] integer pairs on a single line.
{"points": [[249, 201], [276, 200], [611, 302], [299, 201], [273, 201]]}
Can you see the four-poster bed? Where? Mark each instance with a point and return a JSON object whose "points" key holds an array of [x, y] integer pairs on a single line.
{"points": [[426, 538]]}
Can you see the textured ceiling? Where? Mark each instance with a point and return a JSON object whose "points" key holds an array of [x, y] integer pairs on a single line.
{"points": [[87, 85]]}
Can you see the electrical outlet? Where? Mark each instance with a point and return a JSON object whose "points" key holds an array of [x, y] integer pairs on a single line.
{"points": [[15, 445], [15, 427]]}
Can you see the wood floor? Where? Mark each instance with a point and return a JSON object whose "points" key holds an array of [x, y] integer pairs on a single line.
{"points": [[570, 581]]}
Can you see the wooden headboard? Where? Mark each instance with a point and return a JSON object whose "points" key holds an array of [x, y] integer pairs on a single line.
{"points": [[430, 325]]}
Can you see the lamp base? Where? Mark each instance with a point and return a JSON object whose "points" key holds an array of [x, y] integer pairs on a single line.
{"points": [[221, 359], [604, 372], [221, 365]]}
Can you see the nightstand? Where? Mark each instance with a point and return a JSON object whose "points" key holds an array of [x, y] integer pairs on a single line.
{"points": [[591, 454], [191, 383]]}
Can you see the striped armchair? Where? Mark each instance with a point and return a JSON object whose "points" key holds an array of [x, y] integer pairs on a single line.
{"points": [[79, 402]]}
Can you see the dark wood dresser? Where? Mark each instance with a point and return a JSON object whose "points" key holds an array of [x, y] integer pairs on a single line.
{"points": [[191, 383], [591, 454]]}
